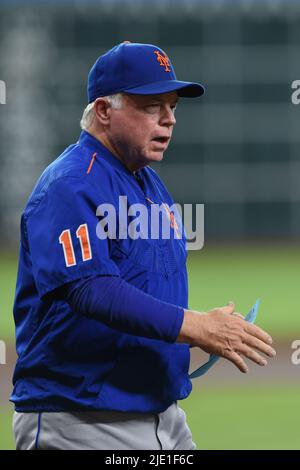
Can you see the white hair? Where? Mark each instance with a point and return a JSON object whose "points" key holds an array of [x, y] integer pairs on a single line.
{"points": [[88, 114]]}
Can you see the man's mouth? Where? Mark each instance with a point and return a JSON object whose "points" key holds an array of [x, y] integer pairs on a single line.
{"points": [[161, 140]]}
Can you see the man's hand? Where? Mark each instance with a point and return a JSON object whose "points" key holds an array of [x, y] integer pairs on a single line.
{"points": [[223, 332]]}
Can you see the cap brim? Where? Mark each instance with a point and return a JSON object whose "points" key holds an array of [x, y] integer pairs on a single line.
{"points": [[185, 89]]}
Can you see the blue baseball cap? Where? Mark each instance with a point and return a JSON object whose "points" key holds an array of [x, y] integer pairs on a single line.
{"points": [[142, 69]]}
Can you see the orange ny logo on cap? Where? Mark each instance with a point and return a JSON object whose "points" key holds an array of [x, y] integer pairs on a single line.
{"points": [[163, 60]]}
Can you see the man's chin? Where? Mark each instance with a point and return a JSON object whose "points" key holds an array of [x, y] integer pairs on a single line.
{"points": [[156, 156]]}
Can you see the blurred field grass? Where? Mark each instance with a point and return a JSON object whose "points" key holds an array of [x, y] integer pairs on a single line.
{"points": [[256, 417], [8, 273], [260, 417], [216, 275], [6, 433]]}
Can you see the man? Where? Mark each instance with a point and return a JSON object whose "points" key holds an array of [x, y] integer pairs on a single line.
{"points": [[102, 320]]}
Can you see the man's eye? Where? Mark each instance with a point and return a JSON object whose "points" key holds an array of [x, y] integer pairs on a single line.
{"points": [[152, 108]]}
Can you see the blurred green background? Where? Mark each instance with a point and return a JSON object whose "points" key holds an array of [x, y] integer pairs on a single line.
{"points": [[236, 150], [226, 412]]}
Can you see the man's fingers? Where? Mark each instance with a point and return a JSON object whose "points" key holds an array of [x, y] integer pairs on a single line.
{"points": [[229, 308], [236, 359], [258, 333], [259, 345], [252, 355], [239, 315]]}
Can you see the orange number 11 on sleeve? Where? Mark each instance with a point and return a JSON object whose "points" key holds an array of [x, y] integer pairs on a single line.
{"points": [[65, 240]]}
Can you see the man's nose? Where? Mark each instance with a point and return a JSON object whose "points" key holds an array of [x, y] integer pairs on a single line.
{"points": [[168, 117]]}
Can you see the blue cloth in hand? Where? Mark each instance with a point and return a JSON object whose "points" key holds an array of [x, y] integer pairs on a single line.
{"points": [[213, 358]]}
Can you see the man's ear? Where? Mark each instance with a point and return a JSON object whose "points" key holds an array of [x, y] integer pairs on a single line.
{"points": [[102, 110]]}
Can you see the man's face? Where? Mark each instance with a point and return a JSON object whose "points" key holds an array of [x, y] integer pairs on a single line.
{"points": [[141, 129]]}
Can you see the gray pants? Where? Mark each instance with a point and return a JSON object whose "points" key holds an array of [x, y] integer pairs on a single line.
{"points": [[103, 430]]}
